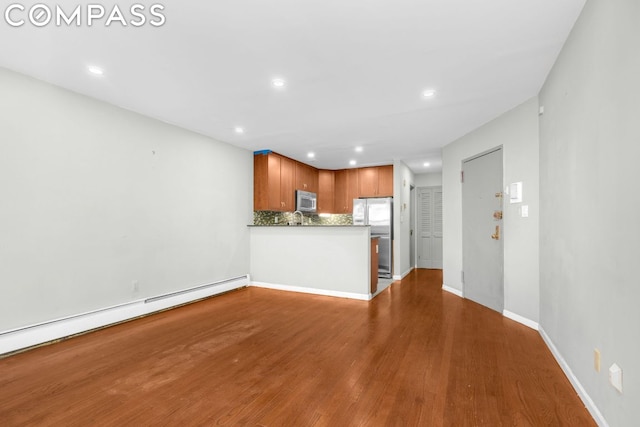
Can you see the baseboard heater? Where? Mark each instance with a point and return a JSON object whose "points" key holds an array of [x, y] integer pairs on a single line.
{"points": [[53, 330], [196, 288]]}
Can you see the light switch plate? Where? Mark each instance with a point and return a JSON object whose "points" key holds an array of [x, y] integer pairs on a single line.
{"points": [[515, 191], [615, 377], [524, 211]]}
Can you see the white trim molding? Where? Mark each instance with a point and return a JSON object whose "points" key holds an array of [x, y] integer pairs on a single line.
{"points": [[586, 399], [314, 291], [520, 319], [405, 274], [454, 291], [41, 333]]}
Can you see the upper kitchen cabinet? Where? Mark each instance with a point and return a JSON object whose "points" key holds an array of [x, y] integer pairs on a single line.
{"points": [[306, 178], [273, 179], [346, 189], [375, 181], [326, 191], [385, 181]]}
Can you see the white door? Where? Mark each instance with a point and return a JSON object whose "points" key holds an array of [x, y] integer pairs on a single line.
{"points": [[482, 234], [430, 227]]}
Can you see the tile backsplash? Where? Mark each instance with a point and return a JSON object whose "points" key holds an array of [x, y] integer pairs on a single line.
{"points": [[282, 218]]}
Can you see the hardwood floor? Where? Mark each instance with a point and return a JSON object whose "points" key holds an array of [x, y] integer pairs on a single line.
{"points": [[414, 356]]}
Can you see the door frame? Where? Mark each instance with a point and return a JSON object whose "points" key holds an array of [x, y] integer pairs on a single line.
{"points": [[413, 222], [465, 160]]}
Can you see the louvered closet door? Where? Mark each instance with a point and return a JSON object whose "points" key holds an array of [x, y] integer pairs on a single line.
{"points": [[430, 227]]}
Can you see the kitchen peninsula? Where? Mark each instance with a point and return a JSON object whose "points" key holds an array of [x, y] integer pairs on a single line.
{"points": [[323, 259], [328, 255]]}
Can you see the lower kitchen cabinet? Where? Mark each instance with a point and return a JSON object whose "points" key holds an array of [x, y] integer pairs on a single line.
{"points": [[374, 264]]}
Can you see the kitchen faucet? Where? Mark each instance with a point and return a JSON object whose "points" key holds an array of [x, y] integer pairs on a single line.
{"points": [[301, 217]]}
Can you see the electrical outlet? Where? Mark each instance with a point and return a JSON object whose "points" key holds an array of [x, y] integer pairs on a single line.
{"points": [[596, 360]]}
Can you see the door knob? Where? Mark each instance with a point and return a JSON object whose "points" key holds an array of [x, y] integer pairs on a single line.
{"points": [[496, 235]]}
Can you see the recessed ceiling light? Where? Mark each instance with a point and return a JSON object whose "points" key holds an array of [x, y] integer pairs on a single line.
{"points": [[278, 82], [352, 162], [238, 129], [311, 155], [96, 71], [427, 164], [429, 93], [359, 149]]}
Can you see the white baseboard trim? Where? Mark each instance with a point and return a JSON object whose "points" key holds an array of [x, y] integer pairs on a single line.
{"points": [[32, 335], [520, 319], [314, 291], [586, 399], [452, 290], [405, 274]]}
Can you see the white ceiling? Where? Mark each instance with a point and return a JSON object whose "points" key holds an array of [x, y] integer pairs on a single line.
{"points": [[355, 70]]}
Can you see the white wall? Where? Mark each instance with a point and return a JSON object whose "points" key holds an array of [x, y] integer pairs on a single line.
{"points": [[589, 152], [427, 179], [93, 197], [517, 132], [327, 260], [402, 181]]}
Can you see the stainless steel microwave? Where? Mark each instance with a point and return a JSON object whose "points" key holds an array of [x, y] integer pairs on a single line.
{"points": [[306, 201]]}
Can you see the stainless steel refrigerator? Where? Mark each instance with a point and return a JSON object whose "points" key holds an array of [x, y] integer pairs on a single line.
{"points": [[377, 213]]}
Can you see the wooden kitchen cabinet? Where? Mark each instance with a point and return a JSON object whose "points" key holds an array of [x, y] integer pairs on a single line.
{"points": [[276, 178], [352, 188], [340, 199], [375, 181], [368, 182], [346, 189], [287, 194], [374, 264], [326, 191], [273, 177], [385, 181], [306, 178]]}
